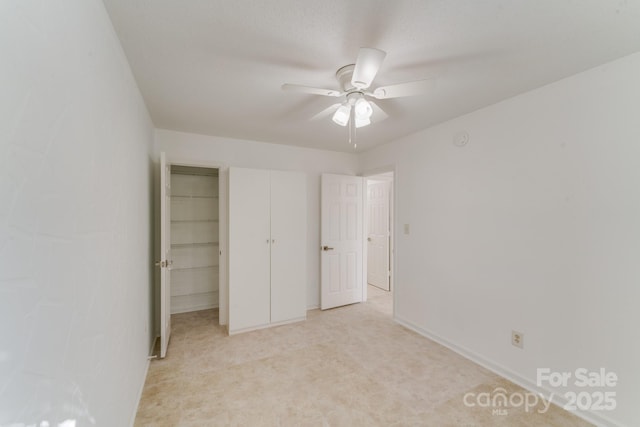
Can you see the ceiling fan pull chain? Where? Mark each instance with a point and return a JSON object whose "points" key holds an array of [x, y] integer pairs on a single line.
{"points": [[355, 135]]}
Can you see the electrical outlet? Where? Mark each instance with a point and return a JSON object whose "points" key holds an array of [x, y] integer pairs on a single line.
{"points": [[517, 339]]}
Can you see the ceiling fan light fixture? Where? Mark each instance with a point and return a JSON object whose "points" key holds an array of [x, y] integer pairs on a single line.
{"points": [[362, 109], [362, 122], [342, 114]]}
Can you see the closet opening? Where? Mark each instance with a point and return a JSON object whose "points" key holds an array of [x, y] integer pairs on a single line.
{"points": [[194, 239]]}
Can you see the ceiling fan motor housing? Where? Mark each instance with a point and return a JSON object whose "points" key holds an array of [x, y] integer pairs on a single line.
{"points": [[343, 75]]}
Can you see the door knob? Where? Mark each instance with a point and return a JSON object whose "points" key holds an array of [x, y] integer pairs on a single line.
{"points": [[368, 239], [327, 248]]}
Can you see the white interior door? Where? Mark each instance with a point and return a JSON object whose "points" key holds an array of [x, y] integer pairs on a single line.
{"points": [[378, 234], [249, 249], [341, 240], [165, 254]]}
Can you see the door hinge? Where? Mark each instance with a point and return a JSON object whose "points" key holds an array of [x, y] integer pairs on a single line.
{"points": [[162, 264]]}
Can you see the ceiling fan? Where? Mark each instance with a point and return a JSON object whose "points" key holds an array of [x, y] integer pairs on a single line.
{"points": [[355, 85]]}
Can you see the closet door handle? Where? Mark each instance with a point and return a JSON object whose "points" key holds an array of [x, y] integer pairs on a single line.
{"points": [[327, 248]]}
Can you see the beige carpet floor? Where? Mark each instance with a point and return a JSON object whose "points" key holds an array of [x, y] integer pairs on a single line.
{"points": [[350, 366]]}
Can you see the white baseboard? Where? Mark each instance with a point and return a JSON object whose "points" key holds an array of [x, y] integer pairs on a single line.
{"points": [[267, 325], [194, 308], [527, 384]]}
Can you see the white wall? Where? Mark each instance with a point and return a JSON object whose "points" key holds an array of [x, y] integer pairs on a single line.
{"points": [[75, 198], [251, 154], [533, 226]]}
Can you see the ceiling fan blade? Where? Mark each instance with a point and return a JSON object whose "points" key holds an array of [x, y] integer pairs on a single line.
{"points": [[403, 89], [367, 66], [311, 90], [378, 113]]}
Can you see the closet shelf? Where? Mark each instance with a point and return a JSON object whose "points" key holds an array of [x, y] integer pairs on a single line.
{"points": [[194, 245], [192, 220], [177, 196], [200, 267]]}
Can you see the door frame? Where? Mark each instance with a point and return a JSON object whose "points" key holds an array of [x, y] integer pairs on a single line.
{"points": [[223, 215], [392, 229]]}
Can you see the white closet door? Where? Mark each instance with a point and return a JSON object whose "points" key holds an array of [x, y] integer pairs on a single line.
{"points": [[288, 246], [249, 249]]}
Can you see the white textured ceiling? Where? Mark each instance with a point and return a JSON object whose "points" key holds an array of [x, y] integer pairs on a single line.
{"points": [[215, 67]]}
